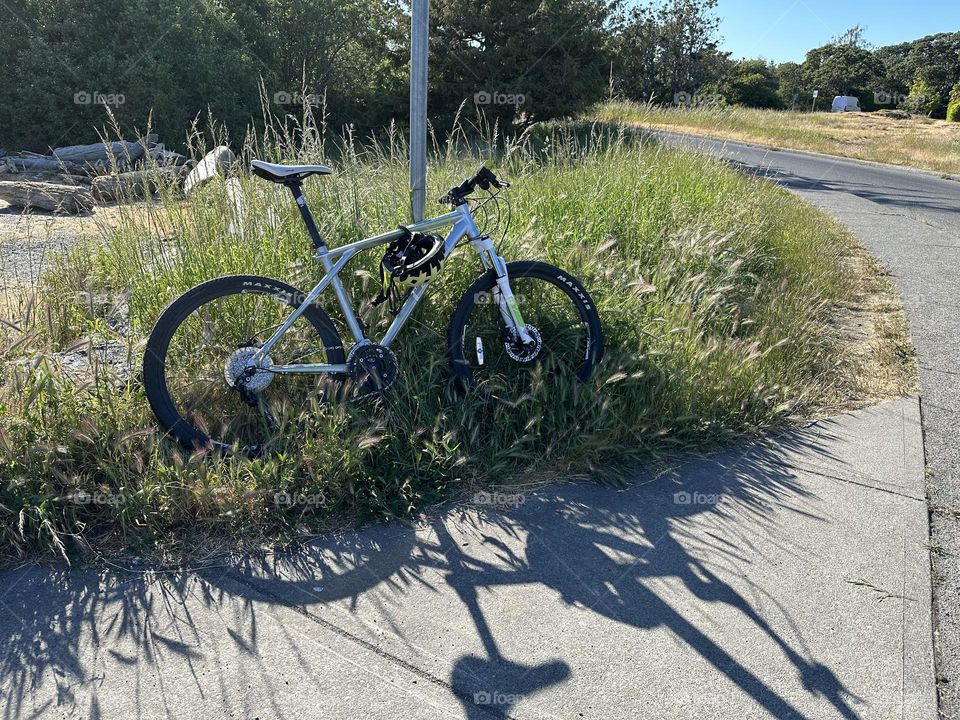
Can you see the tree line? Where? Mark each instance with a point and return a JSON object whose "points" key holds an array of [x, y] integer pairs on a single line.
{"points": [[63, 63]]}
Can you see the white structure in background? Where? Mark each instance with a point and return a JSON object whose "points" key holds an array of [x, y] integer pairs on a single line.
{"points": [[845, 103]]}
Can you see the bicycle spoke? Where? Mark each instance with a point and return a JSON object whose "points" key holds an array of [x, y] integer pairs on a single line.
{"points": [[203, 352]]}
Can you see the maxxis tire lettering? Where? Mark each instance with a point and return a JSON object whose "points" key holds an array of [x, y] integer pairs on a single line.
{"points": [[531, 269]]}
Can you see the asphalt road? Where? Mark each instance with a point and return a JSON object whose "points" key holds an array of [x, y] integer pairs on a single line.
{"points": [[910, 221]]}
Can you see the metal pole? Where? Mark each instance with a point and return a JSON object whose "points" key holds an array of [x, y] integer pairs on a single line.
{"points": [[419, 34]]}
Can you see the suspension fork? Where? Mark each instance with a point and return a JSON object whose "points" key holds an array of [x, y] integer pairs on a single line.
{"points": [[506, 300]]}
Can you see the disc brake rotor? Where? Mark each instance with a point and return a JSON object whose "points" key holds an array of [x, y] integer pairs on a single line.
{"points": [[519, 352]]}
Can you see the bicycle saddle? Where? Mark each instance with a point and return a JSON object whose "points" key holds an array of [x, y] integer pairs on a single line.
{"points": [[286, 173]]}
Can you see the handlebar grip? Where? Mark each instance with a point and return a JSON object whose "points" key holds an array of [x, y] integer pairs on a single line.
{"points": [[483, 179]]}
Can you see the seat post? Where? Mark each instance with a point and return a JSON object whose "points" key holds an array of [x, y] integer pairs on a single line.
{"points": [[297, 191]]}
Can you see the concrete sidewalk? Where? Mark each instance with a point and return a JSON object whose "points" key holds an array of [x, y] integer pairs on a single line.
{"points": [[910, 221], [787, 579]]}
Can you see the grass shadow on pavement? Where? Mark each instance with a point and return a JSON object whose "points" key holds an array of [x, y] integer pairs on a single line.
{"points": [[621, 555]]}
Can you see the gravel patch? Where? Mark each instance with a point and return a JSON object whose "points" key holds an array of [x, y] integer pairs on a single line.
{"points": [[28, 242]]}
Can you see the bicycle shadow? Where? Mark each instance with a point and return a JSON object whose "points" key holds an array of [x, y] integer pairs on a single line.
{"points": [[611, 553], [599, 549]]}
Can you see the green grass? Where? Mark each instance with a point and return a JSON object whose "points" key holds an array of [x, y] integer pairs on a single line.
{"points": [[718, 295], [916, 142]]}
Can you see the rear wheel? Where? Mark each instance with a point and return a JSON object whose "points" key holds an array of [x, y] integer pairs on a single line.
{"points": [[559, 314], [196, 369]]}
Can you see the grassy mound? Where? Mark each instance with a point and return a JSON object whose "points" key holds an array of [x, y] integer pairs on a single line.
{"points": [[718, 294]]}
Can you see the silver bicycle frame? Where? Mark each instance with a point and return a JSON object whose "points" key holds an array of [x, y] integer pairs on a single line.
{"points": [[334, 260]]}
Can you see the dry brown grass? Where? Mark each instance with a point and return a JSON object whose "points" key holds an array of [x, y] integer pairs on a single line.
{"points": [[915, 142], [878, 350]]}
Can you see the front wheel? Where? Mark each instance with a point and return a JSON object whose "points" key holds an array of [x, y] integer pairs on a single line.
{"points": [[560, 316]]}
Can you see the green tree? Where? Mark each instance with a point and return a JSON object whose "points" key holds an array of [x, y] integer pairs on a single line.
{"points": [[667, 49], [518, 60], [936, 63], [752, 83], [898, 72], [923, 99], [176, 59], [790, 85], [844, 67], [349, 54], [180, 59]]}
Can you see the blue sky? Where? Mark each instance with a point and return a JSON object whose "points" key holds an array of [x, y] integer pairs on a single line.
{"points": [[782, 30]]}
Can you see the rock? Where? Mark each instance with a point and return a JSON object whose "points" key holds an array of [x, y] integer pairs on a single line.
{"points": [[216, 162]]}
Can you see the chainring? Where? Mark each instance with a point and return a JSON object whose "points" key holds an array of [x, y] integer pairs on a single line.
{"points": [[373, 368]]}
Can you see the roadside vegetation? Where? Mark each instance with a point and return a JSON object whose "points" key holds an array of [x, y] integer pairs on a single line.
{"points": [[913, 141], [725, 303]]}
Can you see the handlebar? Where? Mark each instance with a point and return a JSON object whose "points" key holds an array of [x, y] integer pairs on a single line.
{"points": [[483, 179]]}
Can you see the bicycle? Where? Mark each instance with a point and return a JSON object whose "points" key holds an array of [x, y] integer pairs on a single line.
{"points": [[238, 334]]}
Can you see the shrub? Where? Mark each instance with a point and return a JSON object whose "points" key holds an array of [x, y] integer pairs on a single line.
{"points": [[923, 98], [953, 108]]}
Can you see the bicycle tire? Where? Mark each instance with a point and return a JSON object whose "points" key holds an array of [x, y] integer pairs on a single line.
{"points": [[525, 270], [154, 362]]}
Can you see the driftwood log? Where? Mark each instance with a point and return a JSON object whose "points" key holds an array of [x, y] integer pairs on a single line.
{"points": [[134, 184], [120, 152], [216, 162], [161, 156], [41, 163], [53, 197], [57, 178]]}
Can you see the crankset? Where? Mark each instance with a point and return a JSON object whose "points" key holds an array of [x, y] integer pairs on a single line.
{"points": [[373, 368]]}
